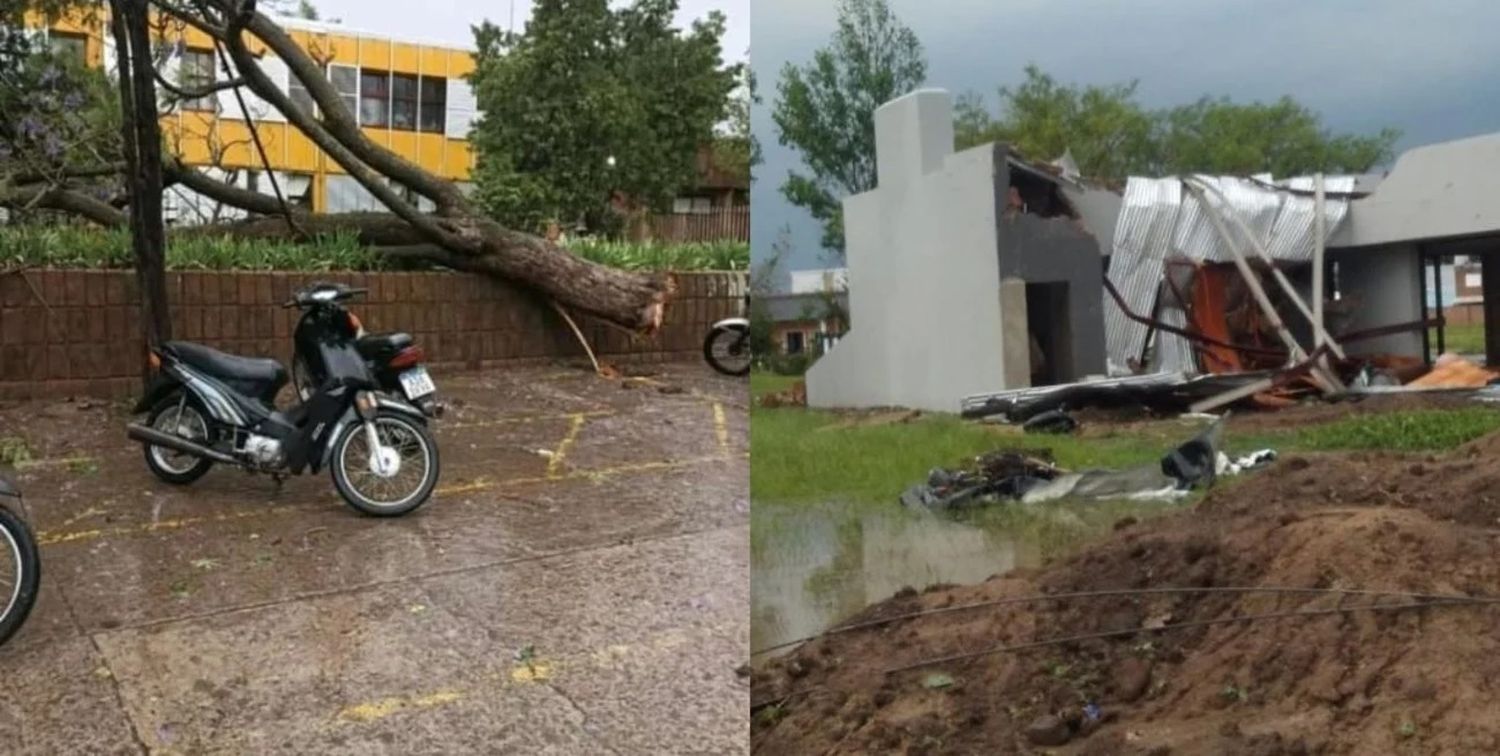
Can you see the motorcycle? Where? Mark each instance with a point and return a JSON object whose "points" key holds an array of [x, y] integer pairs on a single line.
{"points": [[205, 407], [727, 346], [393, 359], [20, 567]]}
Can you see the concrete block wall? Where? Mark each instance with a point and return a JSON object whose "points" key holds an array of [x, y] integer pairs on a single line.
{"points": [[77, 332]]}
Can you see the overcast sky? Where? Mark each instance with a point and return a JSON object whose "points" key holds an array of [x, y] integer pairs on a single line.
{"points": [[1428, 69], [449, 20]]}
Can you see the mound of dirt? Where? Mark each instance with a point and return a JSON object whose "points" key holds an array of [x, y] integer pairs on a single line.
{"points": [[1414, 681]]}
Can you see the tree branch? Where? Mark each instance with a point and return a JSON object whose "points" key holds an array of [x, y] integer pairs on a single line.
{"points": [[194, 94], [63, 199]]}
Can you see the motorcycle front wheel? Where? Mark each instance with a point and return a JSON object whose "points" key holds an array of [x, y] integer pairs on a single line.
{"points": [[20, 572], [727, 349], [393, 485]]}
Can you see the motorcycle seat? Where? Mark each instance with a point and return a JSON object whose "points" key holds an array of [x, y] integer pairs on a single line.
{"points": [[256, 376], [377, 344]]}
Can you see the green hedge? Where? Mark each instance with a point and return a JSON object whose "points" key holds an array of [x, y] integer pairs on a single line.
{"points": [[78, 247]]}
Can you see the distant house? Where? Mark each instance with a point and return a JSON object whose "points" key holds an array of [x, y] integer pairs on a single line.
{"points": [[715, 207], [804, 323]]}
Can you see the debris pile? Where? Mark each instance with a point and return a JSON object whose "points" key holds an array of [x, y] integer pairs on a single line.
{"points": [[1165, 657], [1032, 476]]}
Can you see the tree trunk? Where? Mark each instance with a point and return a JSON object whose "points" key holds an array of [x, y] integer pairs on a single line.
{"points": [[142, 137]]}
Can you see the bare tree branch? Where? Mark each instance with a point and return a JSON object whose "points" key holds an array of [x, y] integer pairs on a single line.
{"points": [[63, 199]]}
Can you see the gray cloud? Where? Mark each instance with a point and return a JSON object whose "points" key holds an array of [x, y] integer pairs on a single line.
{"points": [[1424, 68]]}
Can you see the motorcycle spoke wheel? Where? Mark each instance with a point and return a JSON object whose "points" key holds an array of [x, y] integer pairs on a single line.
{"points": [[412, 455], [182, 421], [730, 351]]}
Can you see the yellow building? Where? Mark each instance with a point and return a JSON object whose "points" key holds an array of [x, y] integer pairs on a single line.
{"points": [[409, 96]]}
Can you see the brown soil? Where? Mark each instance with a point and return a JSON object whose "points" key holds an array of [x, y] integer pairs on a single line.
{"points": [[1417, 681]]}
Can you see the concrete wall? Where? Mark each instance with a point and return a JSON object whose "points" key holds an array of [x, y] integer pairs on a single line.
{"points": [[1099, 209], [1058, 250], [77, 332], [924, 279], [1439, 190], [1386, 290]]}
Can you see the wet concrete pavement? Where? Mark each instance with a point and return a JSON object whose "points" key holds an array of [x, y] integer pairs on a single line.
{"points": [[579, 583]]}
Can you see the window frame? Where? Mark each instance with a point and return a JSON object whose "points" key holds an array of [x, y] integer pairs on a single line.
{"points": [[350, 99], [440, 103], [375, 74], [208, 103], [414, 100], [72, 38]]}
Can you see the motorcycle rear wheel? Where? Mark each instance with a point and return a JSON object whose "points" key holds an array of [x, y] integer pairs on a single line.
{"points": [[19, 576], [727, 349], [177, 468]]}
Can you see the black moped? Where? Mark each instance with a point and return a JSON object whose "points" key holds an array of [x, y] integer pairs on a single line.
{"points": [[205, 407]]}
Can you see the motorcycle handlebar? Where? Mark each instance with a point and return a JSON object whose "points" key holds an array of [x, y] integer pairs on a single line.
{"points": [[304, 298]]}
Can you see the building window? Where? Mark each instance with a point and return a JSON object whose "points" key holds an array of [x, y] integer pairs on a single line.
{"points": [[69, 46], [434, 104], [300, 96], [374, 98], [197, 73], [403, 101], [794, 343], [694, 205], [345, 80]]}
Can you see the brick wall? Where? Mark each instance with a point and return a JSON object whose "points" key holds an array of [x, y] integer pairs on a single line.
{"points": [[76, 332]]}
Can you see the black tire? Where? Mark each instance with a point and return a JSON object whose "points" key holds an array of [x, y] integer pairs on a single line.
{"points": [[736, 339], [155, 459], [17, 543], [339, 461]]}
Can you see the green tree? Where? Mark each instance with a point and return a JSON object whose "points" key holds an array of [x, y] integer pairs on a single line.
{"points": [[1109, 133], [826, 109], [591, 105], [1283, 138], [1112, 136], [736, 149]]}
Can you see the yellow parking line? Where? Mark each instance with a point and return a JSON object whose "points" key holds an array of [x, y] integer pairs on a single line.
{"points": [[529, 672], [48, 537], [721, 428], [369, 712], [528, 419], [52, 537], [554, 464]]}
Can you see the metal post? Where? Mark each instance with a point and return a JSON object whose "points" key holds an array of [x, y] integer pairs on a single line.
{"points": [[1437, 285], [1320, 232]]}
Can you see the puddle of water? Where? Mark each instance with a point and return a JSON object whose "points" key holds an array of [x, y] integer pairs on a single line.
{"points": [[815, 565]]}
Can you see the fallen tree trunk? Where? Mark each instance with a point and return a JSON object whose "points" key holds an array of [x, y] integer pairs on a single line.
{"points": [[635, 301]]}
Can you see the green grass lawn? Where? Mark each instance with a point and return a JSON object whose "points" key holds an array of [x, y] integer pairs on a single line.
{"points": [[1464, 338], [797, 458]]}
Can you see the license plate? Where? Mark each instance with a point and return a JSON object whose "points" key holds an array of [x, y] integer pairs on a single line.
{"points": [[417, 383]]}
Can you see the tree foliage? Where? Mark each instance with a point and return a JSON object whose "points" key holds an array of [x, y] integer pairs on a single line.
{"points": [[1111, 135], [592, 104], [826, 109], [736, 149]]}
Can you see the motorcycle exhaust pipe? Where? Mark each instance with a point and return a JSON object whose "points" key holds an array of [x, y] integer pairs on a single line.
{"points": [[149, 435]]}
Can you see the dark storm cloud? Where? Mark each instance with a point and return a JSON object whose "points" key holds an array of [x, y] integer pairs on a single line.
{"points": [[1428, 69]]}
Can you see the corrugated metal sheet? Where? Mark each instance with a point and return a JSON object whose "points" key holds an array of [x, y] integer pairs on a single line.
{"points": [[1160, 220]]}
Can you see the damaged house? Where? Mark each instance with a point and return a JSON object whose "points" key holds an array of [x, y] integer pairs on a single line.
{"points": [[977, 278]]}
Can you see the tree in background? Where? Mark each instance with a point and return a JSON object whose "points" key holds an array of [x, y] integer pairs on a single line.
{"points": [[455, 234], [591, 105], [1113, 136], [826, 109], [736, 150]]}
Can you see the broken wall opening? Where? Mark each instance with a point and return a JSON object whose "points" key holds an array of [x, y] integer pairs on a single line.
{"points": [[1050, 329]]}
